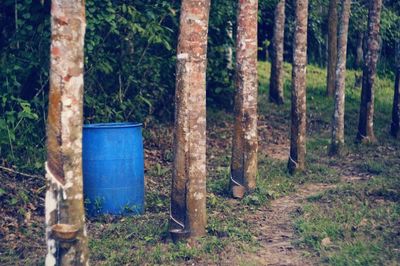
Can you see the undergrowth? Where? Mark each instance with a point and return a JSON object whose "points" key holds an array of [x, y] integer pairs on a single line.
{"points": [[360, 220]]}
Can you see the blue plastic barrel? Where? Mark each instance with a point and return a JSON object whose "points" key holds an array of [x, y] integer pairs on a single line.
{"points": [[113, 174]]}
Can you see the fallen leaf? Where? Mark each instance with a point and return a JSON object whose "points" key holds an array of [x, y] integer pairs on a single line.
{"points": [[326, 242]]}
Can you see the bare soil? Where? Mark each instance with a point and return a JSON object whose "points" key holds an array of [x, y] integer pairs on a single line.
{"points": [[272, 224], [276, 233]]}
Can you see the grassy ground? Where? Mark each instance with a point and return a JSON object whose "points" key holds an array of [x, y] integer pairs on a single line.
{"points": [[359, 219], [356, 223]]}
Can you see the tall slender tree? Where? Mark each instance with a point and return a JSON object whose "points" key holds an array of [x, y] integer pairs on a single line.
{"points": [[188, 196], [245, 145], [395, 128], [366, 120], [340, 82], [359, 49], [229, 49], [332, 47], [276, 79], [65, 216], [298, 111], [359, 59]]}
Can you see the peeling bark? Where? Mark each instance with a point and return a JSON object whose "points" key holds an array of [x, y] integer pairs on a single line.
{"points": [[188, 195], [244, 142], [332, 46], [276, 80], [366, 121], [298, 111], [340, 82], [64, 200], [395, 127]]}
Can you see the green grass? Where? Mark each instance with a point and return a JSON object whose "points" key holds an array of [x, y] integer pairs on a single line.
{"points": [[360, 220], [362, 227], [362, 231]]}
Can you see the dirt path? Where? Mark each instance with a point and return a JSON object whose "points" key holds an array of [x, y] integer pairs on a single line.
{"points": [[276, 232], [274, 222]]}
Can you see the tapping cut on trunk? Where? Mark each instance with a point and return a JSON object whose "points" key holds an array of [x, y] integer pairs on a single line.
{"points": [[244, 142], [188, 194], [365, 132], [66, 236], [337, 141], [298, 110]]}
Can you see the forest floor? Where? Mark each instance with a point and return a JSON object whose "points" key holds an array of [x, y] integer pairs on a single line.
{"points": [[340, 211]]}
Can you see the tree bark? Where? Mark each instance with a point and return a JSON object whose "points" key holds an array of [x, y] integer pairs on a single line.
{"points": [[358, 60], [340, 82], [65, 216], [332, 47], [244, 144], [188, 195], [366, 121], [229, 52], [276, 80], [298, 111], [395, 127], [359, 51]]}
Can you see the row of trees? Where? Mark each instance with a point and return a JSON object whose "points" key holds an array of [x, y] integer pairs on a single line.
{"points": [[65, 219], [336, 73], [120, 32], [244, 144]]}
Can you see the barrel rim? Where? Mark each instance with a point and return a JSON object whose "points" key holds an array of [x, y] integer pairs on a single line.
{"points": [[111, 125]]}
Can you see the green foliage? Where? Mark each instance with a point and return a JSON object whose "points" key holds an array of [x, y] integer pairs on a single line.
{"points": [[18, 119], [219, 76], [317, 31], [129, 47], [24, 45]]}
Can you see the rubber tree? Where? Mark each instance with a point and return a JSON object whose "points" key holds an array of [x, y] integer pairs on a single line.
{"points": [[332, 47], [65, 216], [366, 120], [229, 49], [359, 50], [337, 141], [395, 127], [298, 109], [244, 142], [276, 79], [358, 60], [188, 195]]}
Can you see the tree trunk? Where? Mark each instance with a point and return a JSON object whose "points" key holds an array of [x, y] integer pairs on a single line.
{"points": [[298, 112], [188, 195], [359, 51], [276, 80], [267, 44], [340, 83], [245, 146], [358, 60], [65, 216], [229, 52], [395, 128], [332, 46], [366, 121]]}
